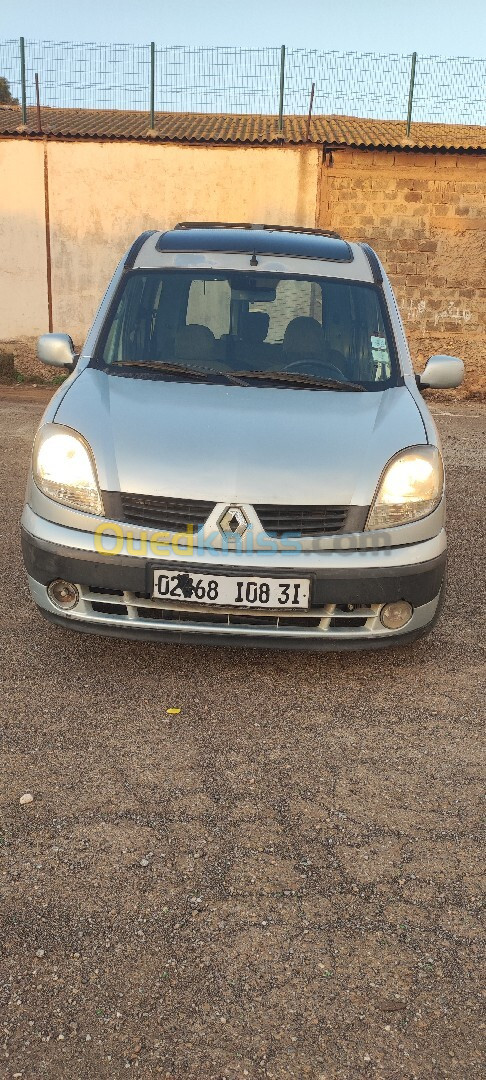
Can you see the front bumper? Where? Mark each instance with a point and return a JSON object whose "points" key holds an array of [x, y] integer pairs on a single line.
{"points": [[347, 593]]}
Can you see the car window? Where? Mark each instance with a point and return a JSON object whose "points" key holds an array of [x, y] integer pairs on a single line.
{"points": [[130, 332], [209, 305], [293, 298], [235, 320]]}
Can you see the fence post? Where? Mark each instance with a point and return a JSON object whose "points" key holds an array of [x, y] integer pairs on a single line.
{"points": [[152, 85], [37, 101], [22, 80], [282, 87], [311, 102], [410, 92]]}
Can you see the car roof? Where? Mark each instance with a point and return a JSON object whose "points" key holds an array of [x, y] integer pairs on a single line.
{"points": [[228, 243], [261, 239]]}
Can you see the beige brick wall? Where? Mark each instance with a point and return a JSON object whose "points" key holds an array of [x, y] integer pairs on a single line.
{"points": [[425, 215]]}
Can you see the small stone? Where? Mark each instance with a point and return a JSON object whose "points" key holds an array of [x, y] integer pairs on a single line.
{"points": [[144, 862], [26, 799], [367, 1057], [391, 1005], [39, 953]]}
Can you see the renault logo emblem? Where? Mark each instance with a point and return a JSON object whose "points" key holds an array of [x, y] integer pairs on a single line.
{"points": [[233, 523]]}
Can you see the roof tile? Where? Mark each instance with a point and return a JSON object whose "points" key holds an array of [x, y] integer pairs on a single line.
{"points": [[332, 131]]}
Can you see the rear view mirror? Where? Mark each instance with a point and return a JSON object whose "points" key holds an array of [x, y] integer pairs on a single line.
{"points": [[441, 372], [254, 288], [57, 350], [255, 296]]}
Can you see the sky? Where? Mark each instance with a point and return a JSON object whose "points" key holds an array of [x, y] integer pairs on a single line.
{"points": [[431, 27]]}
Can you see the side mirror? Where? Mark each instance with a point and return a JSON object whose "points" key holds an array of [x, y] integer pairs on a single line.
{"points": [[441, 372], [57, 350]]}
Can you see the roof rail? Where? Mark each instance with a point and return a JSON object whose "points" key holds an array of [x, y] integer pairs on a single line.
{"points": [[248, 225], [374, 263], [136, 247]]}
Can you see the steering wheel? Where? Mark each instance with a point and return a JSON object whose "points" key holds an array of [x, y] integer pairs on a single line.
{"points": [[315, 367]]}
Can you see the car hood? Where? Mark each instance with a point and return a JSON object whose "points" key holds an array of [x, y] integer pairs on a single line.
{"points": [[239, 444]]}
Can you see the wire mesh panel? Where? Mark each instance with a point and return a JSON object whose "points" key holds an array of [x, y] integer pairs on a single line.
{"points": [[10, 65], [450, 90], [83, 76], [348, 84], [232, 80], [217, 80]]}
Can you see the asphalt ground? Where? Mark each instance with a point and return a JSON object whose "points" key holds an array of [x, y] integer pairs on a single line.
{"points": [[281, 880]]}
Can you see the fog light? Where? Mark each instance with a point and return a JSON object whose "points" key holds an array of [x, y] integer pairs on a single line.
{"points": [[396, 615], [63, 594]]}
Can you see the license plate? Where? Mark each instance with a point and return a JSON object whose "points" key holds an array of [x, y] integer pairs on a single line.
{"points": [[231, 591]]}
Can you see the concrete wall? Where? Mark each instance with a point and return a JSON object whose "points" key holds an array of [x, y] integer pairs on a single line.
{"points": [[101, 195], [424, 214], [23, 288]]}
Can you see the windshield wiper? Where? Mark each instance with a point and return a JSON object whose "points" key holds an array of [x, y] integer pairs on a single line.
{"points": [[182, 369], [297, 379], [241, 378]]}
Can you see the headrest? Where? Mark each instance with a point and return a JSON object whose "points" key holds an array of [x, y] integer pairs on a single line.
{"points": [[304, 336], [256, 326], [195, 342]]}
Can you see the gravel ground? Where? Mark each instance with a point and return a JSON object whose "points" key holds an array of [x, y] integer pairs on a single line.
{"points": [[283, 879]]}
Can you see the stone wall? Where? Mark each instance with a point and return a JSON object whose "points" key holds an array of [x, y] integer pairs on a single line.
{"points": [[425, 215]]}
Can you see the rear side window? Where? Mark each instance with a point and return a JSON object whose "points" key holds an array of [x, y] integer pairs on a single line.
{"points": [[209, 304], [294, 297], [131, 329], [355, 329]]}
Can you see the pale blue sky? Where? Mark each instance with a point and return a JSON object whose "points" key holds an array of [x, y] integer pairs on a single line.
{"points": [[443, 27]]}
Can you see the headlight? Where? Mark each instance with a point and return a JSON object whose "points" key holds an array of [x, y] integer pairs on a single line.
{"points": [[64, 469], [410, 488]]}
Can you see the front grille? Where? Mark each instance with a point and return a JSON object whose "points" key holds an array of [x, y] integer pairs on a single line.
{"points": [[175, 515], [105, 605], [302, 520], [340, 621], [215, 619], [175, 616], [109, 609], [159, 512]]}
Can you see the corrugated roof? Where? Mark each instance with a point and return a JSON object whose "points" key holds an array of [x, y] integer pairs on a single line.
{"points": [[333, 131]]}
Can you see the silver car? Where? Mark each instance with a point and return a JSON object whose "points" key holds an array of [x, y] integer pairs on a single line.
{"points": [[241, 453]]}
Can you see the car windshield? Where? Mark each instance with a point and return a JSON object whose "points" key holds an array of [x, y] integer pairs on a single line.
{"points": [[249, 325]]}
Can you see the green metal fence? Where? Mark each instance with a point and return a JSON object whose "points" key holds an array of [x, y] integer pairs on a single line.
{"points": [[268, 81]]}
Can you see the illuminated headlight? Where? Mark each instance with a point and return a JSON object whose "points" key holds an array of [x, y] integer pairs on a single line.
{"points": [[410, 488], [64, 469]]}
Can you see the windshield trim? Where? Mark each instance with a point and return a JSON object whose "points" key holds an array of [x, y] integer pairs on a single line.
{"points": [[97, 361]]}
